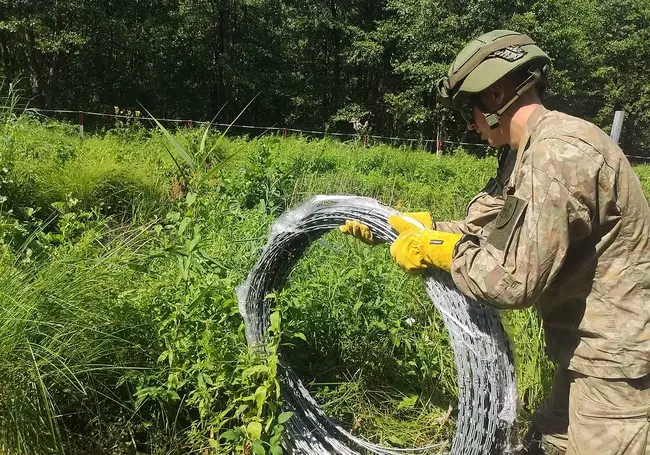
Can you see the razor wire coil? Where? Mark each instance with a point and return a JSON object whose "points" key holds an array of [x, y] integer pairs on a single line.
{"points": [[487, 391]]}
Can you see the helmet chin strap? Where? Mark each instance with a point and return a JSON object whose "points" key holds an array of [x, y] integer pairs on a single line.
{"points": [[493, 118]]}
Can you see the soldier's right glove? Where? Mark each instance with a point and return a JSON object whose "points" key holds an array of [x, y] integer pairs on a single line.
{"points": [[363, 232], [422, 217], [417, 248]]}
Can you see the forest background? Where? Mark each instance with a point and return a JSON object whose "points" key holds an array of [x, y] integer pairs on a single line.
{"points": [[318, 63]]}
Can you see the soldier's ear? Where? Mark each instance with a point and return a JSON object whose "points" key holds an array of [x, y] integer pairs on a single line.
{"points": [[493, 97], [499, 93]]}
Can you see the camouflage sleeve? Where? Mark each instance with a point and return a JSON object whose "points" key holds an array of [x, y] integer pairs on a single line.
{"points": [[450, 226], [529, 241], [481, 210]]}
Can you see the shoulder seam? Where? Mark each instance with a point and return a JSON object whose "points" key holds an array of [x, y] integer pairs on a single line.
{"points": [[605, 163], [561, 138]]}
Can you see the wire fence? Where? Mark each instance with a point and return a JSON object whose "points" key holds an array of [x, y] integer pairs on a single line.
{"points": [[284, 131], [428, 144]]}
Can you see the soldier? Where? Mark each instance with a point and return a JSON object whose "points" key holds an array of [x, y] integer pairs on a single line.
{"points": [[565, 227]]}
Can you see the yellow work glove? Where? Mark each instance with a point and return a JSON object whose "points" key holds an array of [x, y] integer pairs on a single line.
{"points": [[359, 231], [422, 217], [363, 232], [415, 248]]}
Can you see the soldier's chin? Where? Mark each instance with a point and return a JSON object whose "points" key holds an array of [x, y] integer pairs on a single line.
{"points": [[495, 142]]}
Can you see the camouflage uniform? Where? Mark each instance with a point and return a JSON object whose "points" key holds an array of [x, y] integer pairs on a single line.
{"points": [[566, 228], [587, 415]]}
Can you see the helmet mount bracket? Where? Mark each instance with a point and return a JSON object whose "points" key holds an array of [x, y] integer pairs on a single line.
{"points": [[493, 118]]}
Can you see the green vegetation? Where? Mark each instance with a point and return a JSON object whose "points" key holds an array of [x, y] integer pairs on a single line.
{"points": [[120, 253], [317, 64], [119, 325]]}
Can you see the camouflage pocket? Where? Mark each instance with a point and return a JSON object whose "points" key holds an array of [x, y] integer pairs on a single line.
{"points": [[610, 432], [506, 221], [588, 408], [616, 424]]}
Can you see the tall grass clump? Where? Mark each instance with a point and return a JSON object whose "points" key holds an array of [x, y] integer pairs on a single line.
{"points": [[50, 163], [66, 337]]}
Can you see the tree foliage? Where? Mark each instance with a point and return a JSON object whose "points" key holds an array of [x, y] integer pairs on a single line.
{"points": [[318, 63]]}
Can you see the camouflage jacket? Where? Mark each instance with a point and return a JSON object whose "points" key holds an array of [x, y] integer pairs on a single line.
{"points": [[566, 228]]}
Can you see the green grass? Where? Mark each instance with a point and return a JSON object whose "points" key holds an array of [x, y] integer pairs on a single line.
{"points": [[643, 171], [375, 353], [119, 328]]}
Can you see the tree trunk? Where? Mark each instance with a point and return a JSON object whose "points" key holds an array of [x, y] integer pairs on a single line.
{"points": [[222, 32], [33, 63], [52, 81], [336, 41], [53, 71], [4, 44]]}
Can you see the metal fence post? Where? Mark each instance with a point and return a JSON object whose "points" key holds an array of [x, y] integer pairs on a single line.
{"points": [[617, 126]]}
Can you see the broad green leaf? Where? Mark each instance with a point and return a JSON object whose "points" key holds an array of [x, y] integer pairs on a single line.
{"points": [[258, 448], [254, 430], [408, 402], [395, 440], [229, 435], [257, 369], [241, 409], [260, 398], [275, 320], [190, 199], [282, 418], [183, 226]]}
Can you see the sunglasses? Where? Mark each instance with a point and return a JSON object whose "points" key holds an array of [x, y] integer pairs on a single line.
{"points": [[467, 109]]}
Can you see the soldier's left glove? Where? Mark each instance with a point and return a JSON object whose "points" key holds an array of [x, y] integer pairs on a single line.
{"points": [[362, 232], [359, 231], [417, 248]]}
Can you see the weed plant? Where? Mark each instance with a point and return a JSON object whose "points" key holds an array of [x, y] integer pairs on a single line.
{"points": [[120, 331]]}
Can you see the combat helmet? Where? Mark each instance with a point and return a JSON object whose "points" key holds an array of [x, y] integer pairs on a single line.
{"points": [[485, 60]]}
